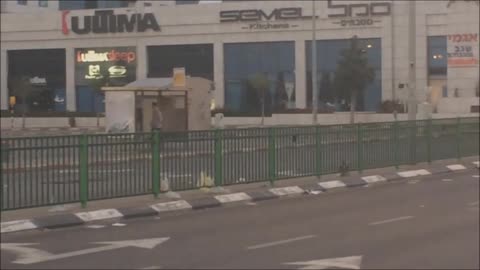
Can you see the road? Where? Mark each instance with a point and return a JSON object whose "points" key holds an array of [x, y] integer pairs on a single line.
{"points": [[432, 223]]}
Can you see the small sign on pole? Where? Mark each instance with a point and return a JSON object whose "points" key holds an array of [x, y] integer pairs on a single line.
{"points": [[179, 79]]}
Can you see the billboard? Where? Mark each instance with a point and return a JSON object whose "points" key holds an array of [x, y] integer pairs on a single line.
{"points": [[112, 66]]}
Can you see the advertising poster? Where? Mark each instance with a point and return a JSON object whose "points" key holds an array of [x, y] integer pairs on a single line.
{"points": [[109, 66], [462, 50], [121, 112]]}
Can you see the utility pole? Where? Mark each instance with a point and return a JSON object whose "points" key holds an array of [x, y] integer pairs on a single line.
{"points": [[412, 101], [314, 66]]}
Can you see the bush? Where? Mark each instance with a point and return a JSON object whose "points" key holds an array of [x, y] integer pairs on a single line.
{"points": [[388, 106]]}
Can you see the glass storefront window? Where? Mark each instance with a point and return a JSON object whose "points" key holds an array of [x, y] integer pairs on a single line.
{"points": [[98, 67], [197, 59], [37, 80], [437, 55], [275, 61], [328, 55]]}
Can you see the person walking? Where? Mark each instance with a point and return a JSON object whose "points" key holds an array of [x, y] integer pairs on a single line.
{"points": [[157, 118]]}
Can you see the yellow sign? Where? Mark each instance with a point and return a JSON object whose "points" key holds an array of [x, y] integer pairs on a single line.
{"points": [[12, 101], [179, 79]]}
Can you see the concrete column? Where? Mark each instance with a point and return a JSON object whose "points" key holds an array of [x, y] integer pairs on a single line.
{"points": [[70, 91], [300, 75], [3, 80], [218, 75], [142, 62]]}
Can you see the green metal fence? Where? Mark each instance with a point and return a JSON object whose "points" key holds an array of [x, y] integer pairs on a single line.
{"points": [[41, 171]]}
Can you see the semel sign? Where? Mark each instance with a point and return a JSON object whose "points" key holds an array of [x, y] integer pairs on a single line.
{"points": [[105, 21], [254, 15]]}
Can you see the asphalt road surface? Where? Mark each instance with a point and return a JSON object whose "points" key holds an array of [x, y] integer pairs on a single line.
{"points": [[432, 223]]}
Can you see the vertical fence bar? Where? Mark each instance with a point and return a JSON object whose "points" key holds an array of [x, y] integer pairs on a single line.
{"points": [[396, 145], [413, 140], [218, 157], [429, 140], [83, 170], [458, 138], [156, 163], [359, 148], [318, 151], [271, 156]]}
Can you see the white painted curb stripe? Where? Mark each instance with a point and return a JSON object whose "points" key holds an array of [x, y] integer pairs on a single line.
{"points": [[456, 167], [17, 225], [235, 197], [171, 206], [332, 184], [286, 190], [374, 178], [99, 215], [413, 173], [477, 163]]}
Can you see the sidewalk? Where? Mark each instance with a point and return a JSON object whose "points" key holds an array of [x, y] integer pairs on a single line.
{"points": [[73, 214]]}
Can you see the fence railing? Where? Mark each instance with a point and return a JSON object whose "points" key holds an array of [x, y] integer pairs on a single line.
{"points": [[41, 171]]}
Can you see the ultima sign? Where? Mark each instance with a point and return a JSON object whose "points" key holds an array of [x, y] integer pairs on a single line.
{"points": [[105, 21]]}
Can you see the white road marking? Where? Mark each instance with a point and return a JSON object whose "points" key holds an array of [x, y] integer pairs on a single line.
{"points": [[151, 267], [473, 203], [119, 224], [447, 180], [27, 255], [171, 206], [95, 226], [374, 178], [235, 197], [17, 225], [352, 262], [413, 173], [476, 176], [413, 182], [456, 167], [390, 220], [99, 214], [286, 190], [332, 184], [281, 242]]}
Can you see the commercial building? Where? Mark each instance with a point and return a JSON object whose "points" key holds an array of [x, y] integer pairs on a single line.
{"points": [[53, 60]]}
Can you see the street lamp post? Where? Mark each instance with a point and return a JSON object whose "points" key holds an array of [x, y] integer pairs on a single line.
{"points": [[314, 67], [412, 101]]}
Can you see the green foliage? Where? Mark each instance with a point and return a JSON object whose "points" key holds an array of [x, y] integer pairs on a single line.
{"points": [[353, 72]]}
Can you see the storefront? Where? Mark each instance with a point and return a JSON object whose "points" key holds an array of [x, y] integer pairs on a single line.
{"points": [[66, 56]]}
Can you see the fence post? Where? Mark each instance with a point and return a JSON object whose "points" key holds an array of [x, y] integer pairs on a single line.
{"points": [[218, 157], [429, 140], [396, 145], [156, 163], [359, 148], [83, 170], [318, 151], [271, 156], [413, 142], [458, 139]]}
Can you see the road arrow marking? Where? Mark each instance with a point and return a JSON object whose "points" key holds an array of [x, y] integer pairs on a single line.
{"points": [[352, 262], [28, 255]]}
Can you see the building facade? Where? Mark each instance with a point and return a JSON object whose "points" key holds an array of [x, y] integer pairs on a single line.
{"points": [[56, 60]]}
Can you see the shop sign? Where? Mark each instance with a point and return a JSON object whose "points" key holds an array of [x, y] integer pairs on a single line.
{"points": [[462, 50], [359, 14], [179, 78], [112, 66], [105, 21], [259, 19]]}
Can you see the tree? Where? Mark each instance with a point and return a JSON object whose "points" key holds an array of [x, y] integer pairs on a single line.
{"points": [[260, 83], [352, 75]]}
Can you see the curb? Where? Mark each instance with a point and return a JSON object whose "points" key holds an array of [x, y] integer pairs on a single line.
{"points": [[213, 201]]}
